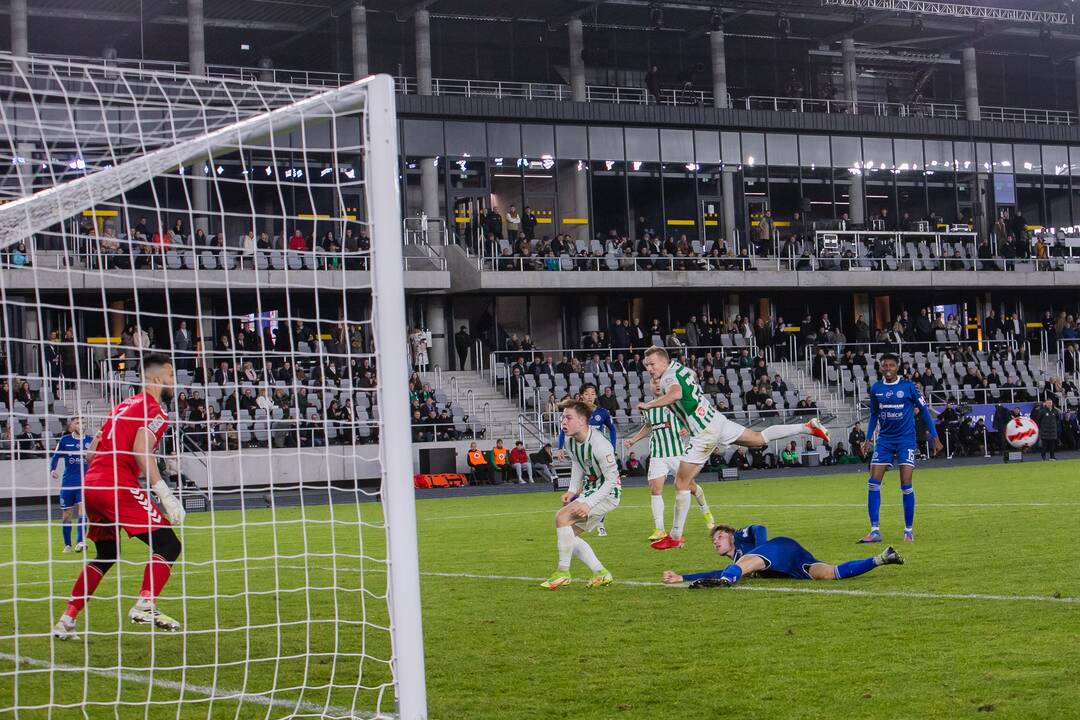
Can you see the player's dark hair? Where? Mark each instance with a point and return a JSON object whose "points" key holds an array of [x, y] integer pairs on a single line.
{"points": [[581, 408], [154, 360], [721, 528], [889, 356]]}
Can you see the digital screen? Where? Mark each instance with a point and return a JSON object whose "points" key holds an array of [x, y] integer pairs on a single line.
{"points": [[947, 310], [1004, 189]]}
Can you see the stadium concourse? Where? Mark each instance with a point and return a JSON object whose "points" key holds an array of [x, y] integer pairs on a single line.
{"points": [[339, 245]]}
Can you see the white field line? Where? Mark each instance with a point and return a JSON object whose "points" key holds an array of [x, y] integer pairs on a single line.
{"points": [[801, 590], [807, 506], [187, 688], [916, 595]]}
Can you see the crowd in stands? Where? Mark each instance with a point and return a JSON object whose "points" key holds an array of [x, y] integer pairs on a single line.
{"points": [[502, 465], [144, 245]]}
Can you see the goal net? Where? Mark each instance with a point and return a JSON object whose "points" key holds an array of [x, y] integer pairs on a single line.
{"points": [[251, 233]]}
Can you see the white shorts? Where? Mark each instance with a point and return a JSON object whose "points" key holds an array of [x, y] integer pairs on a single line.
{"points": [[660, 468], [596, 515], [720, 431]]}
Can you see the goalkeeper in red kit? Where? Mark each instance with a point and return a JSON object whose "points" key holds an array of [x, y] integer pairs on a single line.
{"points": [[115, 500]]}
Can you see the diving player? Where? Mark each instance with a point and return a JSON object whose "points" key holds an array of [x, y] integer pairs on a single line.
{"points": [[708, 429], [893, 403], [753, 553]]}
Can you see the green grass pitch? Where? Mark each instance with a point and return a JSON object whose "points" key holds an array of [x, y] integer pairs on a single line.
{"points": [[982, 621]]}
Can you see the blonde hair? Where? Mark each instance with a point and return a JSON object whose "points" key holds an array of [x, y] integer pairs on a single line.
{"points": [[657, 350]]}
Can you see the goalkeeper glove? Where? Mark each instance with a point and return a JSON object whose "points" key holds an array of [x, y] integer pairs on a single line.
{"points": [[172, 507]]}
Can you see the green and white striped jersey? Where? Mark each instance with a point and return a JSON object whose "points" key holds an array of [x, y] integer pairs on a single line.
{"points": [[664, 438], [593, 464], [693, 408]]}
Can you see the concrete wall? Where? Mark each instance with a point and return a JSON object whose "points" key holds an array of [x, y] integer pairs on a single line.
{"points": [[253, 467]]}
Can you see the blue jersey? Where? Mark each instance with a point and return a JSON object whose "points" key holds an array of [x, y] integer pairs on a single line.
{"points": [[600, 419], [892, 413], [784, 557], [746, 540], [72, 452]]}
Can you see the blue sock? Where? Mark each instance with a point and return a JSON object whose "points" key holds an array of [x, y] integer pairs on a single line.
{"points": [[873, 502], [909, 506], [855, 567], [80, 527], [67, 531]]}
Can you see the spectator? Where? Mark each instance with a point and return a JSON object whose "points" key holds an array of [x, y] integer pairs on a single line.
{"points": [[528, 223], [513, 222], [519, 460], [789, 456], [541, 463], [297, 241], [462, 343], [1048, 418], [634, 468], [856, 439], [652, 84], [609, 402], [28, 444], [500, 460], [739, 459], [480, 466]]}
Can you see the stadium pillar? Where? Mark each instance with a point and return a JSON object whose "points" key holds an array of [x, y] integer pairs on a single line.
{"points": [[728, 222], [266, 70], [589, 314], [435, 317], [857, 202], [359, 41], [581, 199], [971, 85], [1076, 71], [577, 62], [25, 164], [20, 44], [429, 187], [200, 198], [196, 37], [719, 70], [422, 21], [851, 76]]}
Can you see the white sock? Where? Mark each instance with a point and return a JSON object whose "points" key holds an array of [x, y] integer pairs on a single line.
{"points": [[584, 552], [699, 495], [657, 511], [779, 432], [565, 537], [682, 507]]}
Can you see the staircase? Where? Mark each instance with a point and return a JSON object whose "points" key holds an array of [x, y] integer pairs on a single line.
{"points": [[472, 394], [835, 409]]}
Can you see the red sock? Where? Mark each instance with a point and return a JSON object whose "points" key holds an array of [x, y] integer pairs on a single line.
{"points": [[84, 587], [154, 577]]}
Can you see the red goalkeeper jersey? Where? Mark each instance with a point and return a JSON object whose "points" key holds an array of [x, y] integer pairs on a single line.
{"points": [[114, 463]]}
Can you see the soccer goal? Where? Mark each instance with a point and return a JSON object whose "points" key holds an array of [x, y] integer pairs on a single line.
{"points": [[251, 233]]}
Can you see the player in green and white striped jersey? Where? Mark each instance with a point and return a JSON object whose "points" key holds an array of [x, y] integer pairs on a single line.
{"points": [[595, 489], [666, 448], [708, 429]]}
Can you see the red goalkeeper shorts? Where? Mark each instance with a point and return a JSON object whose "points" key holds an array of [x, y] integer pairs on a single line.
{"points": [[130, 508]]}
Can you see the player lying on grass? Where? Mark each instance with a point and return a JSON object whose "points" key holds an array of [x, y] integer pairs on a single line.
{"points": [[122, 452], [894, 402], [707, 427], [666, 449], [753, 553], [595, 488]]}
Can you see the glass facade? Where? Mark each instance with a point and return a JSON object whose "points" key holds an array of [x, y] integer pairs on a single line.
{"points": [[590, 181]]}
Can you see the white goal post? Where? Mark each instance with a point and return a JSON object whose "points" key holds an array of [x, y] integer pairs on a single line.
{"points": [[298, 591]]}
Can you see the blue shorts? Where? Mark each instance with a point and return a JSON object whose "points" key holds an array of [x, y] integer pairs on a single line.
{"points": [[785, 558], [894, 452], [70, 497]]}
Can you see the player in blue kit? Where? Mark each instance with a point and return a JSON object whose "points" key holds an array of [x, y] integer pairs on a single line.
{"points": [[72, 452], [893, 403], [752, 553], [599, 418]]}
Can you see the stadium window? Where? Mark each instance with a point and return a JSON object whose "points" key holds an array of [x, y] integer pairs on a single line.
{"points": [[782, 152], [1056, 185], [1074, 176], [680, 200], [609, 208], [910, 182], [879, 173], [1029, 168], [815, 170]]}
